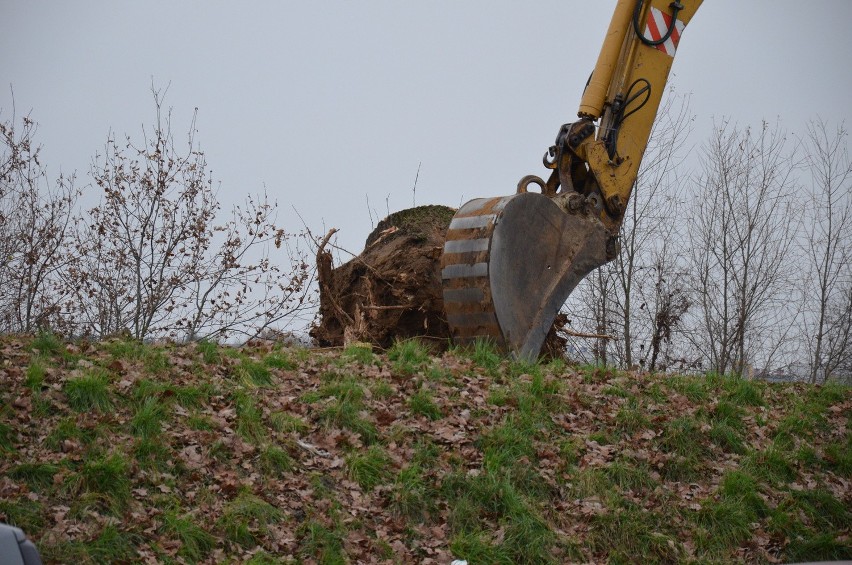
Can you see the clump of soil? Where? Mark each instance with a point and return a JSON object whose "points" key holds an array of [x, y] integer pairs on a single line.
{"points": [[392, 290]]}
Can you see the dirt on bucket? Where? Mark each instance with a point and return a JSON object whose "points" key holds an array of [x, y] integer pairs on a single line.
{"points": [[392, 290]]}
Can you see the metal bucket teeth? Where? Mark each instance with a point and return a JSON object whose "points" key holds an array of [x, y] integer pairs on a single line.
{"points": [[510, 263]]}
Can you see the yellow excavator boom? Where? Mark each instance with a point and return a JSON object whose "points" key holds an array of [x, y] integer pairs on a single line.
{"points": [[634, 66]]}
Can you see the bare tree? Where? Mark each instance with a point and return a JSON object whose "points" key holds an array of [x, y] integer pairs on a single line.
{"points": [[240, 289], [142, 243], [666, 306], [34, 226], [601, 291], [838, 338], [828, 250], [152, 262], [742, 227], [650, 232], [624, 299], [589, 319]]}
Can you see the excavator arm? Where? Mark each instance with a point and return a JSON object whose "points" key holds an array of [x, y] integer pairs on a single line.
{"points": [[509, 263]]}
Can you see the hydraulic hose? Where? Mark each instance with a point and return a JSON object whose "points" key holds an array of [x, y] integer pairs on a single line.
{"points": [[675, 6]]}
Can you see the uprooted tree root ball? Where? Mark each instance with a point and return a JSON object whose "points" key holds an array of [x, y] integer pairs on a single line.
{"points": [[392, 290]]}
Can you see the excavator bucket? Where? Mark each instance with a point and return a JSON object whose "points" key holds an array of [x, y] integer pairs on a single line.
{"points": [[510, 263]]}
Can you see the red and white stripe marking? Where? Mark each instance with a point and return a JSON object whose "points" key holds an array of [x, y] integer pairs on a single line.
{"points": [[658, 24]]}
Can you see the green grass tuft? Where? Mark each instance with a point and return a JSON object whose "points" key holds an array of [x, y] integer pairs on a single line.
{"points": [[249, 417], [370, 468], [422, 403], [209, 351], [196, 542], [381, 389], [478, 547], [102, 481], [191, 396], [629, 475], [29, 515], [345, 408], [125, 349], [255, 373], [412, 496], [499, 395], [155, 361], [771, 465], [694, 388], [828, 394], [726, 523], [261, 557], [744, 392], [728, 413], [528, 539], [35, 374], [359, 353], [481, 499], [347, 389], [740, 487], [484, 353], [727, 438], [200, 422], [408, 356], [630, 419], [537, 395], [274, 461], [518, 367], [67, 429], [89, 392], [426, 453], [825, 511], [7, 437], [113, 545], [152, 453], [595, 374], [633, 535], [287, 423], [348, 415], [38, 476], [682, 436], [280, 360], [594, 483], [821, 546], [47, 342], [682, 468], [146, 422], [838, 457], [321, 543], [478, 497], [246, 517], [504, 446]]}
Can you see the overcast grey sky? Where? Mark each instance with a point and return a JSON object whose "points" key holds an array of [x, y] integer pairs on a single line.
{"points": [[330, 103]]}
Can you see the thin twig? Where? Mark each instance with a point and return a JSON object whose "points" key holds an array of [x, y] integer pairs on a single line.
{"points": [[396, 307], [414, 189], [313, 449], [590, 336], [324, 241]]}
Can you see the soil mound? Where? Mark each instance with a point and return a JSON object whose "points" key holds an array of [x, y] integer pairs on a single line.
{"points": [[392, 290]]}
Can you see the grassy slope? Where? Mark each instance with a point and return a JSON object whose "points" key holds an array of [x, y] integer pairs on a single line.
{"points": [[118, 451]]}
